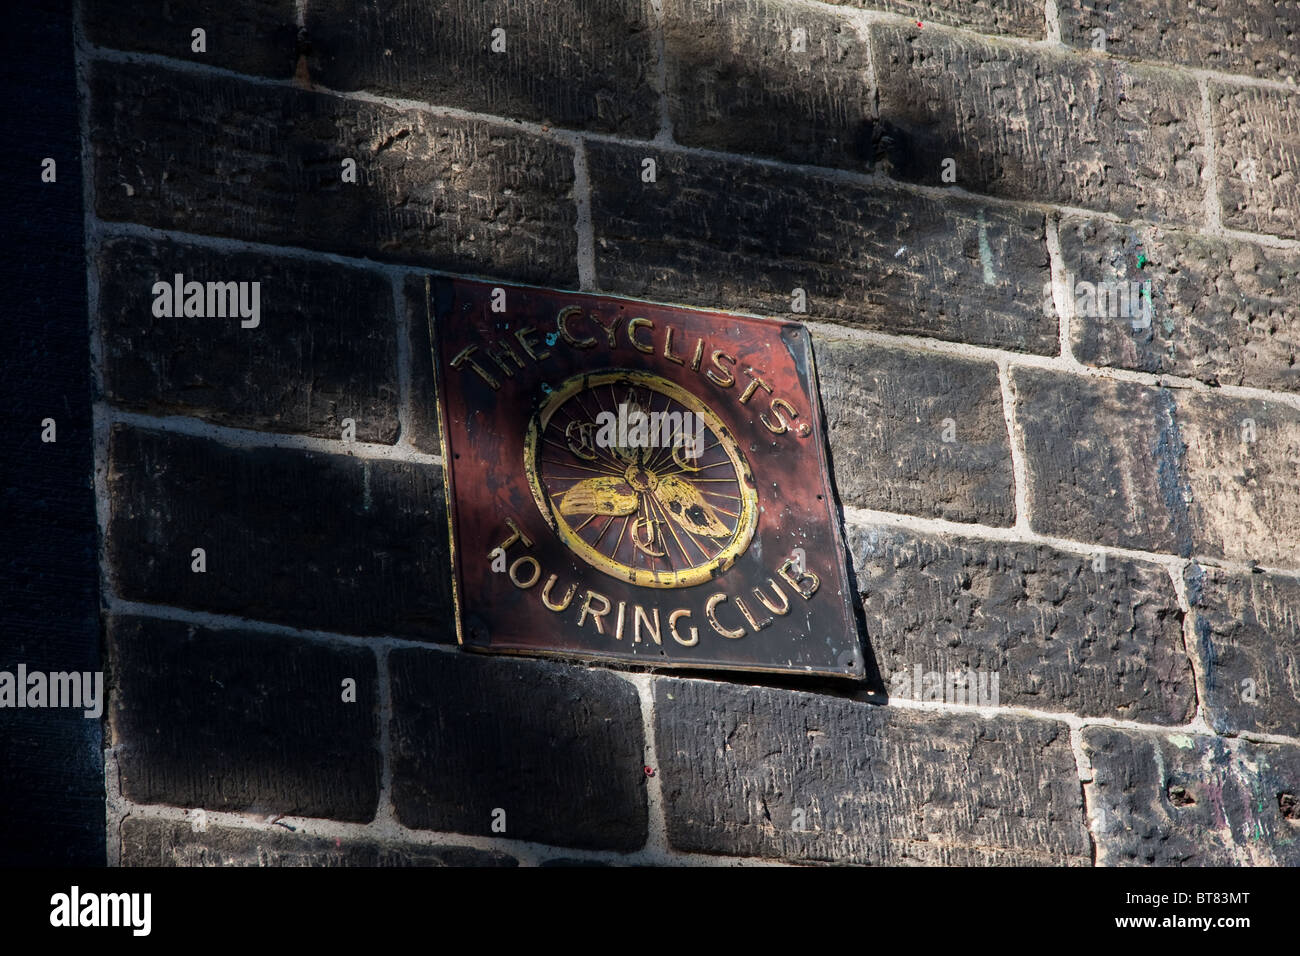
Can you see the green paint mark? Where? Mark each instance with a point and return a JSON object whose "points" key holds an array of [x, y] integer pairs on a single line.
{"points": [[1181, 741], [1142, 260], [986, 253]]}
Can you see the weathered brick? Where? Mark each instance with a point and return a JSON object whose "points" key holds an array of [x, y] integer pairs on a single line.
{"points": [[244, 721], [311, 540], [874, 784], [325, 347], [737, 81], [250, 36], [887, 415], [1059, 633], [1040, 125], [1248, 637], [868, 256], [1222, 311], [1181, 800], [1008, 17], [1161, 470], [150, 841], [560, 749], [422, 416], [578, 63], [213, 155], [1254, 37], [1257, 136], [1245, 490]]}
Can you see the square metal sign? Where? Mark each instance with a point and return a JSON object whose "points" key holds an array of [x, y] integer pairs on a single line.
{"points": [[637, 482]]}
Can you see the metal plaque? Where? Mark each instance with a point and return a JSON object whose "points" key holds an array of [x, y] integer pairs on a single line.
{"points": [[637, 482]]}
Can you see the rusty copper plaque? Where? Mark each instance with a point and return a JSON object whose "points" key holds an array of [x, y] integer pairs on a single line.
{"points": [[637, 482]]}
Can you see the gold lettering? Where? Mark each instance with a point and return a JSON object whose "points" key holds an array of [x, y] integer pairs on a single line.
{"points": [[709, 609], [784, 571], [611, 329], [668, 348], [546, 594], [596, 616], [618, 630], [673, 618], [744, 609], [537, 572], [717, 380], [521, 335], [635, 324], [464, 357], [785, 601], [699, 355], [639, 615], [752, 386], [777, 404], [561, 323]]}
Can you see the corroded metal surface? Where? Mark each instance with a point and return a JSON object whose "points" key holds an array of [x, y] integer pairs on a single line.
{"points": [[638, 482]]}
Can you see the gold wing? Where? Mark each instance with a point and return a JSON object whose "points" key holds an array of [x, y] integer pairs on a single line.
{"points": [[599, 496], [688, 508]]}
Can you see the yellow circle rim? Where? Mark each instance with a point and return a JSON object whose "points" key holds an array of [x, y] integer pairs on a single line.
{"points": [[697, 574]]}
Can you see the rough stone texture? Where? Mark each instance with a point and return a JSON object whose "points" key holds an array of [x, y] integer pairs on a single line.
{"points": [[241, 720], [325, 348], [1181, 800], [560, 749], [1060, 634], [1104, 461], [738, 82], [1254, 37], [1040, 125], [212, 155], [1248, 637], [887, 411], [1246, 494], [1222, 311], [1257, 137], [865, 255], [1008, 17], [875, 784], [150, 841], [311, 540], [589, 64], [249, 36], [1160, 470], [422, 416]]}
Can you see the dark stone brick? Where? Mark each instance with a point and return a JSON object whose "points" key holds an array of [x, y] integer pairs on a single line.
{"points": [[310, 540], [559, 748], [212, 155], [578, 63], [1258, 151], [886, 415], [875, 784], [1159, 469], [422, 416], [1181, 800], [1255, 37], [1040, 125], [1059, 634], [250, 36], [1248, 630], [1222, 311], [737, 83], [149, 841], [1022, 18], [325, 348], [1245, 492], [1104, 461], [869, 256], [241, 720]]}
